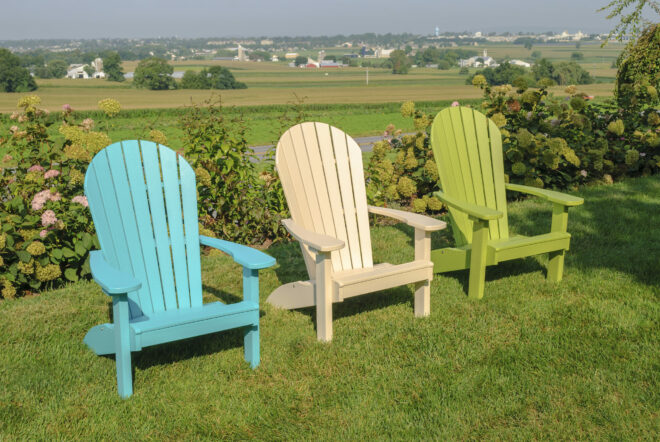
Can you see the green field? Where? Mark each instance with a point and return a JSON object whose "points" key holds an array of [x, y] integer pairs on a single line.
{"points": [[532, 360]]}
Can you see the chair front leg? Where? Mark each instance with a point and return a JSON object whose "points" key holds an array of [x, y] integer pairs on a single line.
{"points": [[251, 333], [556, 259], [422, 288], [323, 296], [122, 345], [478, 259]]}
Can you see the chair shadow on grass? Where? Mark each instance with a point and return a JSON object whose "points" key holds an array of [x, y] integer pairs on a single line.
{"points": [[169, 352], [612, 230]]}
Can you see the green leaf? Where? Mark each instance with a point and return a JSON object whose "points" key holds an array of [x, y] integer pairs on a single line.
{"points": [[87, 240], [23, 255], [71, 274], [67, 252], [56, 253], [80, 248]]}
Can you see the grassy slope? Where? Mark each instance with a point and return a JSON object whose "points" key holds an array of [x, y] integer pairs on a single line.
{"points": [[531, 360]]}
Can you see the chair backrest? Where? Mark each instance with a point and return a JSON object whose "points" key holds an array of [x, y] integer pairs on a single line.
{"points": [[143, 201], [323, 180], [468, 151]]}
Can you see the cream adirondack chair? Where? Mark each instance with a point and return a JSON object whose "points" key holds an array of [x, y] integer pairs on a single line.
{"points": [[323, 180]]}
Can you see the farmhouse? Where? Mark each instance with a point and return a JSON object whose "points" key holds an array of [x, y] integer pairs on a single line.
{"points": [[78, 70], [478, 62], [520, 63]]}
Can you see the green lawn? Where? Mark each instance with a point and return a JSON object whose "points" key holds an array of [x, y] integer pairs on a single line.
{"points": [[532, 360]]}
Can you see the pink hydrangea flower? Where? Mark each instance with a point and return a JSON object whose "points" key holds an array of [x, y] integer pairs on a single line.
{"points": [[48, 218], [43, 233], [45, 195], [52, 173], [80, 199], [455, 103], [36, 168], [67, 108], [13, 129], [583, 173]]}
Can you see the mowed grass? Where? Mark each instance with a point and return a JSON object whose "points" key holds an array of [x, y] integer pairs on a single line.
{"points": [[531, 360]]}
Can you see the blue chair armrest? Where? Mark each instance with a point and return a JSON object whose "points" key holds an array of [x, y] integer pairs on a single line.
{"points": [[111, 280], [246, 256]]}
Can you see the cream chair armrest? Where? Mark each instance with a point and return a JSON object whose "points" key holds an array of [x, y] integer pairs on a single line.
{"points": [[316, 241]]}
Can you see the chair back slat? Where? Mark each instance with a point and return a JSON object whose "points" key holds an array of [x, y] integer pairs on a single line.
{"points": [[322, 176], [143, 202], [468, 150]]}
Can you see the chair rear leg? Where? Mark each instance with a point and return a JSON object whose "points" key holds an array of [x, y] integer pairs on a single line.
{"points": [[251, 345], [556, 265]]}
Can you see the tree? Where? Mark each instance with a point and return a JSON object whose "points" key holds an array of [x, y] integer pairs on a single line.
{"points": [[216, 77], [112, 66], [506, 73], [13, 76], [222, 78], [300, 60], [536, 55], [443, 65], [630, 14], [194, 80], [154, 73], [578, 45], [400, 62], [638, 77], [528, 44], [577, 56], [58, 68], [566, 73], [90, 70]]}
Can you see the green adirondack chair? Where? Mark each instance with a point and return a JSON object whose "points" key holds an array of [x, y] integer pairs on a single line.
{"points": [[143, 201], [467, 148]]}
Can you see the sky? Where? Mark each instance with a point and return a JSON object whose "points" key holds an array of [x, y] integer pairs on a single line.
{"points": [[46, 19]]}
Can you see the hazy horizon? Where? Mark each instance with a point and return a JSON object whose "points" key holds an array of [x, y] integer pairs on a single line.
{"points": [[68, 19]]}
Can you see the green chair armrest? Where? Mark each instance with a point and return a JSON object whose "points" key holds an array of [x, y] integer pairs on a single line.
{"points": [[549, 195], [111, 280], [246, 256], [422, 222], [479, 212]]}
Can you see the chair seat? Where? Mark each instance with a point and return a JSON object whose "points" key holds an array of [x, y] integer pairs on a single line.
{"points": [[522, 246], [176, 318], [380, 277]]}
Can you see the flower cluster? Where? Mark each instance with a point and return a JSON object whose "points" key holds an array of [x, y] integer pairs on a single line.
{"points": [[110, 106]]}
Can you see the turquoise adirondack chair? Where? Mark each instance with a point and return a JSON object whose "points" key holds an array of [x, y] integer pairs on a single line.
{"points": [[143, 201], [467, 148]]}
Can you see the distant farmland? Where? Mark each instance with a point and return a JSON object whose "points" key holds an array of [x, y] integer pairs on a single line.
{"points": [[276, 83]]}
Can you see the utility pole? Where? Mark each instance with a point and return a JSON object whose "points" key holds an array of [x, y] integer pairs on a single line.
{"points": [[367, 75]]}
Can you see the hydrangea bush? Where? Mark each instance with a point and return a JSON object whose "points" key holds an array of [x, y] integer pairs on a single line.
{"points": [[553, 142], [46, 229]]}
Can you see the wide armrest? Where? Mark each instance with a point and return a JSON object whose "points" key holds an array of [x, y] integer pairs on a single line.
{"points": [[111, 280], [550, 195], [317, 241], [423, 222], [480, 212], [246, 256]]}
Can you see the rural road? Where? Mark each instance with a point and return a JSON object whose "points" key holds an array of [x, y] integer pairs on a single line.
{"points": [[366, 144]]}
